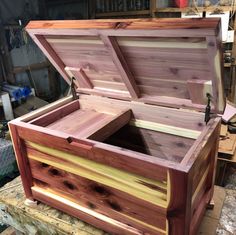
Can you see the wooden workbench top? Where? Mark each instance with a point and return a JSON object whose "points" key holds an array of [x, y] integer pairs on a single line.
{"points": [[43, 219]]}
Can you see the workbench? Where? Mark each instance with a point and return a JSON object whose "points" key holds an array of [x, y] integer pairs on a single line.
{"points": [[42, 219], [226, 155]]}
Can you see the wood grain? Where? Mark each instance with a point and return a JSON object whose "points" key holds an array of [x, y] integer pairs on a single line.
{"points": [[140, 55], [102, 132], [179, 199], [89, 123], [129, 24], [107, 85], [56, 114], [22, 161], [126, 182], [75, 209], [119, 60], [51, 55], [167, 116], [161, 145], [95, 196], [216, 64], [199, 213], [202, 144], [43, 110], [166, 129], [198, 90], [119, 158], [80, 76]]}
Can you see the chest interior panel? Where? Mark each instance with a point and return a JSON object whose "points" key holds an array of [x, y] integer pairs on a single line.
{"points": [[124, 127]]}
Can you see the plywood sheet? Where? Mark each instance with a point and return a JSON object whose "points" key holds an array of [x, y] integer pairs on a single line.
{"points": [[227, 144]]}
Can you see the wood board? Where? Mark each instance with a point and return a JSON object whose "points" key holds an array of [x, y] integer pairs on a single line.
{"points": [[227, 144]]}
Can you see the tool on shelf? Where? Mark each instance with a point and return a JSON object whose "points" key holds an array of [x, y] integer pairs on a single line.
{"points": [[17, 92]]}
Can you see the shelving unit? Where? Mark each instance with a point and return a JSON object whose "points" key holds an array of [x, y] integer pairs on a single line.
{"points": [[148, 8], [200, 9], [106, 8], [123, 13], [6, 103]]}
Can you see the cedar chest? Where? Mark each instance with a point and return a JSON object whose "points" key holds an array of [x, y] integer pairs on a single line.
{"points": [[133, 150]]}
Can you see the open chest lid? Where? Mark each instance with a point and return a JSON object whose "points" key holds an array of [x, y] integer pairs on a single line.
{"points": [[168, 62]]}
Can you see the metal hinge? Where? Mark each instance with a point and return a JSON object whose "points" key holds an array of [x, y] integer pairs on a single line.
{"points": [[208, 108], [73, 89]]}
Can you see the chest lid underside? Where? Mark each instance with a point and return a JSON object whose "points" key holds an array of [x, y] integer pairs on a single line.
{"points": [[168, 62]]}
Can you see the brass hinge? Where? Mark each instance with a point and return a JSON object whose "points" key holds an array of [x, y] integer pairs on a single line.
{"points": [[74, 93]]}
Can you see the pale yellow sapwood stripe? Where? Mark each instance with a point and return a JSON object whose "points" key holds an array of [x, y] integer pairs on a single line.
{"points": [[52, 194], [162, 44], [78, 40], [129, 183], [135, 43], [178, 131], [168, 188]]}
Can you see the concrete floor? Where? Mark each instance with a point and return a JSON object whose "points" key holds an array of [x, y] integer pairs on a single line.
{"points": [[227, 223]]}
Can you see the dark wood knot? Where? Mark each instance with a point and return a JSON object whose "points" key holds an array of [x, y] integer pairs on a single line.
{"points": [[121, 25], [114, 205], [69, 185], [100, 190], [91, 205], [54, 172], [174, 70], [44, 165], [47, 25]]}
